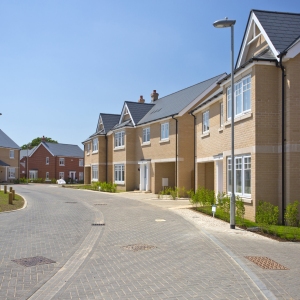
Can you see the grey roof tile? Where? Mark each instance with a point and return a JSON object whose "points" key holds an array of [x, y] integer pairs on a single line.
{"points": [[7, 142], [24, 152], [138, 110], [3, 164], [174, 103], [66, 150], [109, 121], [282, 28]]}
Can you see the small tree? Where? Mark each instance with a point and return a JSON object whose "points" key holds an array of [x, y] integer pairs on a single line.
{"points": [[291, 214], [267, 213]]}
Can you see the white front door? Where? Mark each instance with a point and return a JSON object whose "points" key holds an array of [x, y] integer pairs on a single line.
{"points": [[72, 175], [144, 176], [220, 176]]}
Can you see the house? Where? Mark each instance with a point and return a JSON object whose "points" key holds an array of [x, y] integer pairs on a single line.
{"points": [[55, 161], [151, 145], [266, 120], [9, 158], [24, 154]]}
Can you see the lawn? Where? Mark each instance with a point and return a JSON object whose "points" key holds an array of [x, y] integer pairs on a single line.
{"points": [[279, 232], [4, 206]]}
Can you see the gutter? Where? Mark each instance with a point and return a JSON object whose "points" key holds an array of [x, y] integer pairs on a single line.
{"points": [[176, 158], [282, 135], [195, 156]]}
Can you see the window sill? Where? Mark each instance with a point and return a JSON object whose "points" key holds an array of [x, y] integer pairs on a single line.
{"points": [[164, 141], [119, 148], [87, 154], [120, 182], [205, 134], [244, 116], [61, 165], [94, 152], [146, 144], [221, 129]]}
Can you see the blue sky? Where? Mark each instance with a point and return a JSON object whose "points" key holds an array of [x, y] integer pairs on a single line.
{"points": [[64, 62]]}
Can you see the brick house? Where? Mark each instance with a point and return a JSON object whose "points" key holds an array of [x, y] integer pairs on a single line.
{"points": [[9, 159], [267, 109], [54, 161], [151, 145]]}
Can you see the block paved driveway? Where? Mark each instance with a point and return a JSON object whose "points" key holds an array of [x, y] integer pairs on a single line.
{"points": [[143, 251]]}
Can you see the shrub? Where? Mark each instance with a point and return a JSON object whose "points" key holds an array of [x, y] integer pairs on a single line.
{"points": [[240, 209], [23, 180], [224, 204], [291, 214], [104, 186], [267, 213]]}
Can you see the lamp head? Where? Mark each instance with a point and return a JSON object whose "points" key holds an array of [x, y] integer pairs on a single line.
{"points": [[224, 23]]}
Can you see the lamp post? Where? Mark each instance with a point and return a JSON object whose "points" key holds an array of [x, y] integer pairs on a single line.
{"points": [[224, 24], [28, 145]]}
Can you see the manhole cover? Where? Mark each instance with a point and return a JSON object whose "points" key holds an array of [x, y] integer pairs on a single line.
{"points": [[266, 263], [98, 224], [138, 247], [33, 261], [70, 202]]}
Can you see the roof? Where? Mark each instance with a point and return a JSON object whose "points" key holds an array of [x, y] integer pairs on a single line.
{"points": [[218, 93], [127, 123], [7, 142], [138, 110], [109, 121], [3, 164], [174, 103], [66, 150], [24, 152], [282, 28]]}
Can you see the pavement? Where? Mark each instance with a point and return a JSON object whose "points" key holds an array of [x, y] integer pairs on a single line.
{"points": [[93, 245]]}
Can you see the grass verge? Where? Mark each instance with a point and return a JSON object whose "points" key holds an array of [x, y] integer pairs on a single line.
{"points": [[278, 232], [4, 206]]}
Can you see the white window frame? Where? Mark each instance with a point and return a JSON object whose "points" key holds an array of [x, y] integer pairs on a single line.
{"points": [[146, 135], [81, 176], [12, 154], [88, 148], [47, 160], [80, 162], [242, 166], [61, 175], [119, 139], [95, 145], [221, 115], [242, 97], [164, 131], [119, 173], [205, 122], [11, 172], [94, 172], [61, 161]]}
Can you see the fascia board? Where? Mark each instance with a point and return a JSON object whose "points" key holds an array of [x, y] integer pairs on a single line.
{"points": [[156, 121], [208, 104], [39, 147], [123, 111], [293, 51], [254, 19], [194, 102]]}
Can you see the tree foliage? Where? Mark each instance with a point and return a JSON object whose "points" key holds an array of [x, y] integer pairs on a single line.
{"points": [[37, 141]]}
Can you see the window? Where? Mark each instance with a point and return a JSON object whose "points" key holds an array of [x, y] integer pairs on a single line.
{"points": [[164, 131], [119, 174], [11, 154], [242, 91], [242, 175], [146, 135], [61, 161], [61, 175], [80, 162], [80, 176], [11, 172], [221, 115], [95, 145], [47, 175], [94, 173], [47, 160], [205, 121], [119, 139], [88, 148]]}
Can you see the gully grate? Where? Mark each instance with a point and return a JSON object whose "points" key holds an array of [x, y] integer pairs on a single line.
{"points": [[138, 247], [98, 224], [266, 263], [33, 261]]}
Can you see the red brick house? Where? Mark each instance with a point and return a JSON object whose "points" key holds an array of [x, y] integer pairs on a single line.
{"points": [[54, 161]]}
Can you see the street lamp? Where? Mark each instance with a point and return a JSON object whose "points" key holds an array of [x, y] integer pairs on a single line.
{"points": [[224, 24], [28, 145]]}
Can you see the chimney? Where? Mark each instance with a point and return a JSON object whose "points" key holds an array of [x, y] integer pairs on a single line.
{"points": [[141, 100], [43, 139], [154, 96]]}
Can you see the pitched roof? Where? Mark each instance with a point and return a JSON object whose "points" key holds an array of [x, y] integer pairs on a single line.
{"points": [[281, 27], [109, 121], [138, 110], [3, 164], [24, 152], [174, 103], [66, 150], [7, 142]]}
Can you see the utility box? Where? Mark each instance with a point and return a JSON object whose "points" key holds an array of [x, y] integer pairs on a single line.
{"points": [[165, 182]]}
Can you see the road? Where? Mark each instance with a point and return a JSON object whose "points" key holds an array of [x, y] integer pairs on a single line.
{"points": [[94, 245]]}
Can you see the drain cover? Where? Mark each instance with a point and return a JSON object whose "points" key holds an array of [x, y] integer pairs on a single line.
{"points": [[266, 263], [138, 247], [98, 224], [33, 261]]}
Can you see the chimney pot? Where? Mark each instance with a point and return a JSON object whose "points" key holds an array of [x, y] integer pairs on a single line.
{"points": [[141, 100], [154, 96]]}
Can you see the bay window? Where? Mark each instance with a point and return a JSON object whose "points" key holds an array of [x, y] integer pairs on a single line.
{"points": [[119, 139]]}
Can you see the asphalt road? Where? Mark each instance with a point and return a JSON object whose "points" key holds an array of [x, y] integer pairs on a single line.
{"points": [[92, 245]]}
